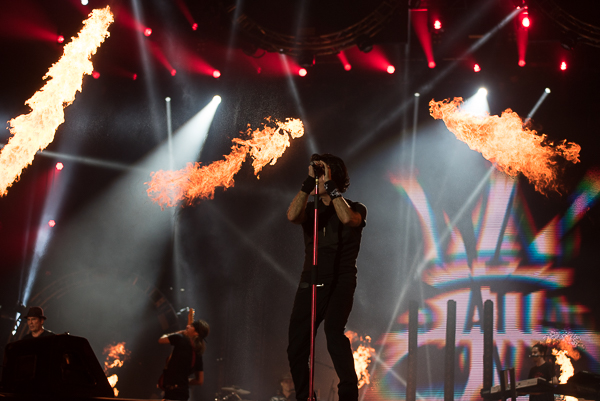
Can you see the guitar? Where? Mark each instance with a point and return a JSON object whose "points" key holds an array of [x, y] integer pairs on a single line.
{"points": [[161, 379]]}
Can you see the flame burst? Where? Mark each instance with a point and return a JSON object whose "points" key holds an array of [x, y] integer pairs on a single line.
{"points": [[116, 355], [506, 143], [362, 357], [564, 347], [35, 131], [266, 145]]}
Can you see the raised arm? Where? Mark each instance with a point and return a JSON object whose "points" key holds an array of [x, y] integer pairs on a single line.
{"points": [[297, 211]]}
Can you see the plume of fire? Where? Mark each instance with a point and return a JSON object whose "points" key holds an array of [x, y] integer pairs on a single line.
{"points": [[362, 357], [564, 348], [505, 142], [266, 145], [116, 355], [35, 131]]}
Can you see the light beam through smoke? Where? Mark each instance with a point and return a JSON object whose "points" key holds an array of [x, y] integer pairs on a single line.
{"points": [[35, 131], [194, 182], [505, 142]]}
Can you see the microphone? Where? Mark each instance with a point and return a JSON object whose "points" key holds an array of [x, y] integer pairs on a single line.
{"points": [[317, 169]]}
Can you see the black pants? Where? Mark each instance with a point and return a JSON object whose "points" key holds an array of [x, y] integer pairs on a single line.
{"points": [[334, 303]]}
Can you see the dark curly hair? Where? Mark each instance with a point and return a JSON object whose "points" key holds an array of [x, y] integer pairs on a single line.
{"points": [[542, 348], [339, 173], [203, 329]]}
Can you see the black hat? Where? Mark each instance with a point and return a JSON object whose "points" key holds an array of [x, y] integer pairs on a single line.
{"points": [[36, 311]]}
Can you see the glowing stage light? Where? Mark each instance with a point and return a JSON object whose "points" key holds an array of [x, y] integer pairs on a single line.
{"points": [[525, 21], [173, 72], [60, 39], [547, 90], [563, 66], [522, 63], [302, 72], [134, 77], [59, 166], [147, 32], [476, 68], [194, 26], [51, 223], [35, 131], [217, 99], [504, 141], [347, 67], [216, 74], [431, 64], [482, 92], [437, 24], [95, 74], [390, 69], [84, 2], [417, 94]]}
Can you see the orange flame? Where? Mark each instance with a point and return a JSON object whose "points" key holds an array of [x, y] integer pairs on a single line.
{"points": [[35, 131], [266, 145], [362, 357], [506, 143], [116, 355]]}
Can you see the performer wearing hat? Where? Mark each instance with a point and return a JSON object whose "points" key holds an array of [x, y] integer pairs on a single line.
{"points": [[185, 360], [35, 322], [286, 389], [341, 222]]}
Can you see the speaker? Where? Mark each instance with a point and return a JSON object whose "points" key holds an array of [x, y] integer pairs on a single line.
{"points": [[60, 365]]}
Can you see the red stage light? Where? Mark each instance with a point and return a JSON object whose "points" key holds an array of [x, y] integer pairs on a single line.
{"points": [[526, 22], [59, 166], [431, 64], [347, 67], [147, 31], [134, 77], [173, 72], [522, 63], [51, 223], [390, 69], [60, 39], [216, 74], [95, 74], [302, 72], [563, 66], [476, 68], [194, 26], [437, 24]]}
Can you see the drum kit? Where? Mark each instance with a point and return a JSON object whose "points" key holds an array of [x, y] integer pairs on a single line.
{"points": [[231, 393]]}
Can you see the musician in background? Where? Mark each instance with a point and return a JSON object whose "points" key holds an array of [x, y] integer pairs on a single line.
{"points": [[286, 389], [35, 321], [542, 369], [185, 360]]}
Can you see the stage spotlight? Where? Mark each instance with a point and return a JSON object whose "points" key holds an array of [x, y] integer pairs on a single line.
{"points": [[547, 90], [347, 67], [60, 39], [216, 74], [147, 32], [417, 94], [302, 72], [431, 64], [84, 2], [525, 21], [173, 72], [59, 166], [522, 63], [364, 44], [217, 99], [95, 74], [437, 24], [134, 76], [563, 66], [476, 68], [194, 26], [391, 69], [52, 223], [482, 92]]}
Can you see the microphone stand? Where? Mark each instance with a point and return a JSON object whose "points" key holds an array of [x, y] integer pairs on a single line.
{"points": [[313, 310]]}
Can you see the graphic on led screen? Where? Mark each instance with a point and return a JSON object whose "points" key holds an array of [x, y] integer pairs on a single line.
{"points": [[514, 264]]}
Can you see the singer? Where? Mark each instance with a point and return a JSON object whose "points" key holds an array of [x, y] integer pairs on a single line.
{"points": [[340, 225]]}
